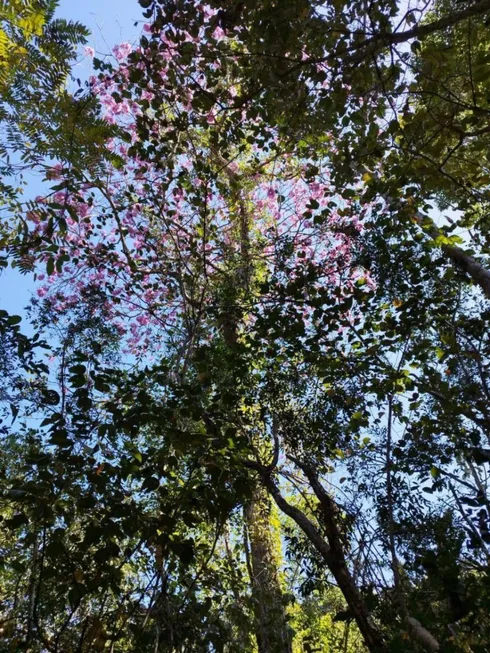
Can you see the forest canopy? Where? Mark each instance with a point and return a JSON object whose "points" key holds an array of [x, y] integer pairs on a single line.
{"points": [[247, 408]]}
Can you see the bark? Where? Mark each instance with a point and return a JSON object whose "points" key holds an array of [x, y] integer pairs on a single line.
{"points": [[372, 47], [418, 633], [377, 43], [479, 274], [273, 633], [32, 592], [272, 630], [421, 635], [338, 565], [473, 268], [332, 553]]}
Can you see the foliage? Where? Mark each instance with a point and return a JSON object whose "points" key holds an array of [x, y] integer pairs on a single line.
{"points": [[251, 299]]}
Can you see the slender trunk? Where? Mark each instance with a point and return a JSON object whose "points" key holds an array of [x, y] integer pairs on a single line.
{"points": [[373, 46], [32, 592], [417, 631], [272, 630], [479, 274], [333, 555], [473, 268]]}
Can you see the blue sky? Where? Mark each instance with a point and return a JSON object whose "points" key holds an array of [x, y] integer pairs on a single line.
{"points": [[110, 22]]}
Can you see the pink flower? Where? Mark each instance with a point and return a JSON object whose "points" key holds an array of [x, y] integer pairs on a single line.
{"points": [[147, 95], [219, 33], [316, 190], [83, 210], [89, 51], [55, 171], [122, 50], [207, 11]]}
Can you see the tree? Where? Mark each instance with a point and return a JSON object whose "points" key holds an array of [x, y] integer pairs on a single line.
{"points": [[299, 331], [40, 119]]}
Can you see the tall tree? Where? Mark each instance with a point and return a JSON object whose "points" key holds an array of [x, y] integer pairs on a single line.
{"points": [[297, 329]]}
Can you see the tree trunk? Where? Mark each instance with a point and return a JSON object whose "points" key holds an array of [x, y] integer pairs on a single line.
{"points": [[473, 268], [331, 551], [32, 592], [272, 630], [479, 274]]}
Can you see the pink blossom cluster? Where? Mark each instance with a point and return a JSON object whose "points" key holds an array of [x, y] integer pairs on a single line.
{"points": [[156, 239]]}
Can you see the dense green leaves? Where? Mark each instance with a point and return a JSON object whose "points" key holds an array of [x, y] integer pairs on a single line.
{"points": [[307, 405]]}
